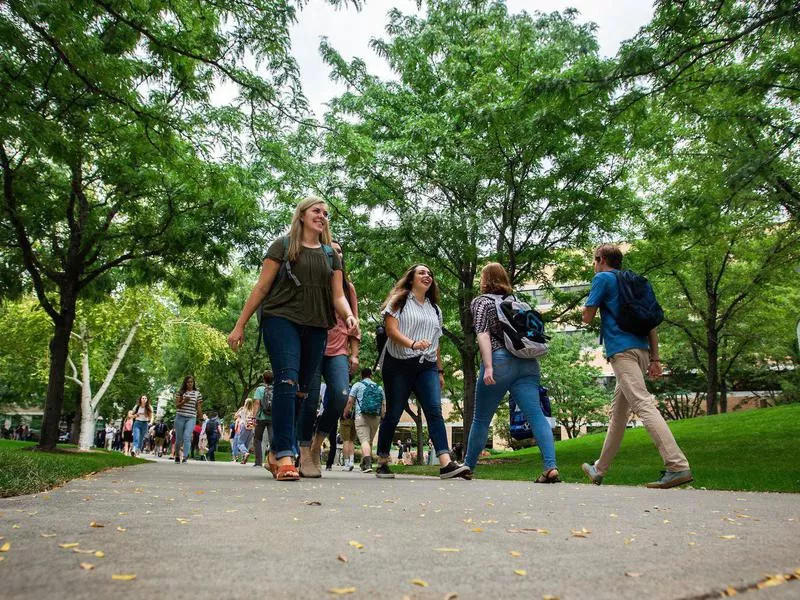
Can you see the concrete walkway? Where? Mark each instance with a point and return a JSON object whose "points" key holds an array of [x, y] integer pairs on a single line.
{"points": [[219, 530]]}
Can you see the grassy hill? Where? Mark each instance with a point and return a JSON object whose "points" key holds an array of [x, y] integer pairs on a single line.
{"points": [[756, 450]]}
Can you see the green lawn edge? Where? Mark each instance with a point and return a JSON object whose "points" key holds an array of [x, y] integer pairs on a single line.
{"points": [[24, 470], [755, 450]]}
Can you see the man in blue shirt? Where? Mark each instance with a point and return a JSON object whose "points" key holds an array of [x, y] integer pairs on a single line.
{"points": [[630, 356]]}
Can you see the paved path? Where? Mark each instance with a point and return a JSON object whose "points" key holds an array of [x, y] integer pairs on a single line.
{"points": [[219, 530]]}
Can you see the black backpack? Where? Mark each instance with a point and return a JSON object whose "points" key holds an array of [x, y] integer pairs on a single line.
{"points": [[160, 430], [639, 311], [211, 427]]}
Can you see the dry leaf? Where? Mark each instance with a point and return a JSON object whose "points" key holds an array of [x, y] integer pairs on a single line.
{"points": [[729, 591], [356, 545], [612, 516], [515, 553], [87, 566], [47, 535], [451, 596], [81, 551], [771, 581], [233, 510], [693, 543], [69, 545], [727, 537], [99, 554], [520, 572], [419, 582], [2, 557], [342, 558], [5, 547], [629, 541], [550, 597], [448, 550], [313, 503], [629, 574], [476, 529], [94, 524], [123, 576], [121, 529], [342, 591]]}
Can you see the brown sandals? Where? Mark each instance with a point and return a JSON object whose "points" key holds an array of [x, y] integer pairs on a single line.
{"points": [[548, 477], [287, 473]]}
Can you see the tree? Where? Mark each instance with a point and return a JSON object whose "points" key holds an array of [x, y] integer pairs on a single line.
{"points": [[577, 397], [24, 329], [484, 147], [113, 155]]}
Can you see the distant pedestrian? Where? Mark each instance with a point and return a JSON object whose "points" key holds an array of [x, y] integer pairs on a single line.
{"points": [[160, 431], [631, 356], [143, 415], [189, 405], [368, 402], [127, 433], [213, 428], [263, 395], [246, 428]]}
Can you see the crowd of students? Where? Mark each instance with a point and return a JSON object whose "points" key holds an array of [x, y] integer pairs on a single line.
{"points": [[309, 325]]}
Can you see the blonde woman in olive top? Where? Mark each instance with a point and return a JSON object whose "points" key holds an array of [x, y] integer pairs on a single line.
{"points": [[300, 292]]}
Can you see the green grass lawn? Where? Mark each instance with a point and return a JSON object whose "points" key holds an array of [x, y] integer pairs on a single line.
{"points": [[24, 470], [756, 450]]}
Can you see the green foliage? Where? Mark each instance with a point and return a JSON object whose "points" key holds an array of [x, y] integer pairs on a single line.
{"points": [[24, 332], [577, 397]]}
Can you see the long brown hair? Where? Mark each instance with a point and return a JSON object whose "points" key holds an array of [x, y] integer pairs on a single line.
{"points": [[494, 280], [148, 408], [296, 228], [398, 296]]}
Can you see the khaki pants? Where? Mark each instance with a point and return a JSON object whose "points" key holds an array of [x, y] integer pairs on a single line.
{"points": [[631, 395], [367, 429]]}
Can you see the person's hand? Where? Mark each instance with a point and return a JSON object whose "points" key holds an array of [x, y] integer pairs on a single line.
{"points": [[354, 364], [236, 338], [654, 369], [352, 326], [488, 376], [422, 345]]}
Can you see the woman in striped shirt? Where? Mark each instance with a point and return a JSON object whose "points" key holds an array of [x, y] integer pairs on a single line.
{"points": [[189, 405], [413, 363]]}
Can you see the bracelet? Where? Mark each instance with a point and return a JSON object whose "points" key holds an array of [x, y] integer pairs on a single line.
{"points": [[414, 343]]}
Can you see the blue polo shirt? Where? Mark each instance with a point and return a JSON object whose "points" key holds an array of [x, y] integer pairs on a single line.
{"points": [[605, 295]]}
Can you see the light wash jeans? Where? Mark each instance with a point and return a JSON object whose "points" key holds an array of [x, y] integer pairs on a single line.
{"points": [[520, 377], [139, 433], [184, 426]]}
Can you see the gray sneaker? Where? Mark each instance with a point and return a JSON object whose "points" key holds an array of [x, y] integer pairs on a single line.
{"points": [[591, 473], [671, 479]]}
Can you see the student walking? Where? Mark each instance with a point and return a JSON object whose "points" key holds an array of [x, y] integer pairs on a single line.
{"points": [[338, 363], [630, 355], [213, 428], [502, 372], [263, 395], [127, 433], [189, 408], [412, 362], [300, 291], [368, 401], [246, 427], [143, 414], [160, 432]]}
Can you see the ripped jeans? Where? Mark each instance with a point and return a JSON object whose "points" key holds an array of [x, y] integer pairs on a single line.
{"points": [[336, 371], [295, 354]]}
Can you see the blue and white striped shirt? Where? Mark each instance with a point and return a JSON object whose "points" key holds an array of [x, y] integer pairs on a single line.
{"points": [[418, 322]]}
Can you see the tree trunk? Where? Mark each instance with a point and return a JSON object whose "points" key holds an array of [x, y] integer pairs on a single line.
{"points": [[59, 349], [712, 375], [87, 413], [723, 396], [75, 429]]}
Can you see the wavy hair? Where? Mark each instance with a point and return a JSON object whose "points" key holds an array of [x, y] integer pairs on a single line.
{"points": [[296, 228], [398, 296], [494, 280]]}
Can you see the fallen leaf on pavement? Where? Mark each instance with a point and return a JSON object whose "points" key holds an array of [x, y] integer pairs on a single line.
{"points": [[87, 566], [549, 597], [120, 529], [448, 550], [5, 547], [515, 553], [771, 581], [476, 529], [342, 558], [629, 541], [727, 537], [451, 596], [47, 535], [356, 545], [520, 572], [629, 574], [95, 524], [99, 554], [69, 545], [313, 503], [123, 576], [82, 551], [342, 591], [419, 582]]}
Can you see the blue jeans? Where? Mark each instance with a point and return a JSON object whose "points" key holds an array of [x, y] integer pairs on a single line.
{"points": [[295, 353], [184, 426], [336, 371], [401, 378], [212, 446], [521, 378], [139, 433]]}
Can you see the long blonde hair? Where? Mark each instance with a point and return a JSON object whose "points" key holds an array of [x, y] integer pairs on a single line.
{"points": [[296, 229], [249, 407]]}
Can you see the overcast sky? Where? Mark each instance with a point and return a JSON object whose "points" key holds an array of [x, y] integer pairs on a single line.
{"points": [[350, 31]]}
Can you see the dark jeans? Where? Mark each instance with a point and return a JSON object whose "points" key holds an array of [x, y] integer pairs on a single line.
{"points": [[401, 378], [261, 427], [295, 353], [336, 371], [331, 447], [212, 446]]}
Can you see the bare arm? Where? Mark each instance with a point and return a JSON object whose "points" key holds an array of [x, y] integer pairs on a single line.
{"points": [[340, 304], [393, 331], [654, 368], [588, 314], [266, 278], [485, 348], [354, 340]]}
